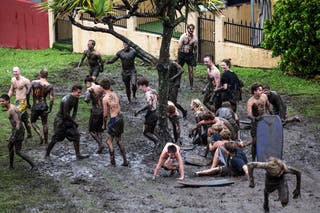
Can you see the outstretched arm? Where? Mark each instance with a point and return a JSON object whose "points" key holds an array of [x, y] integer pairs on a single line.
{"points": [[296, 192], [84, 55], [251, 166], [112, 60]]}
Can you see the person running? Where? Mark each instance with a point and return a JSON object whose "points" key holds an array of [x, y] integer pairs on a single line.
{"points": [[40, 90], [151, 117], [17, 134], [256, 107], [94, 94], [175, 73], [94, 60], [64, 123], [111, 104], [20, 86], [129, 72], [170, 159], [211, 99], [187, 51]]}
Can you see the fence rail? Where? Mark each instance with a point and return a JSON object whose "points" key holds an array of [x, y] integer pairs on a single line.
{"points": [[243, 34]]}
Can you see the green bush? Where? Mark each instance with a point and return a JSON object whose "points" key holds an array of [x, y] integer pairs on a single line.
{"points": [[294, 34]]}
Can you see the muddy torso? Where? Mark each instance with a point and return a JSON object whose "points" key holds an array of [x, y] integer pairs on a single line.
{"points": [[127, 60]]}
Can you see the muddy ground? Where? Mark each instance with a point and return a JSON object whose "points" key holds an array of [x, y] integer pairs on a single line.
{"points": [[92, 185]]}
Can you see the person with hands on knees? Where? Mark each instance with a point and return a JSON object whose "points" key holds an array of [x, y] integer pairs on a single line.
{"points": [[170, 159]]}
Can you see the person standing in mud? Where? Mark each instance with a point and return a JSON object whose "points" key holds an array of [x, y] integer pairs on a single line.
{"points": [[94, 94], [17, 134], [64, 123], [40, 89], [94, 60], [175, 73], [276, 171], [170, 159], [129, 72], [173, 115], [211, 100], [278, 106], [20, 86], [151, 117], [187, 51], [256, 107], [111, 104]]}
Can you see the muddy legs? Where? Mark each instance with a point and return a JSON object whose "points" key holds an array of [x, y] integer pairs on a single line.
{"points": [[76, 145], [123, 153]]}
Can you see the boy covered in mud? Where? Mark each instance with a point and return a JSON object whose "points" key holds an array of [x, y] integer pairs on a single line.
{"points": [[40, 89], [276, 171], [94, 60], [170, 159], [111, 105], [17, 134]]}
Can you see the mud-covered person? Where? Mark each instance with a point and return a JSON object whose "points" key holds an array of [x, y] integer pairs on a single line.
{"points": [[129, 73], [94, 94], [17, 133], [276, 171], [151, 117], [211, 100], [20, 86], [187, 51], [111, 105], [40, 90], [94, 60], [170, 159], [173, 115], [64, 123], [256, 107], [175, 73]]}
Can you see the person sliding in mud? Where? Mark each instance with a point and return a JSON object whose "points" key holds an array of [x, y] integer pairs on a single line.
{"points": [[111, 104], [20, 85], [17, 134], [94, 60], [276, 171], [256, 107], [40, 89], [170, 159], [65, 125], [94, 94], [129, 72], [278, 106], [175, 73], [151, 117]]}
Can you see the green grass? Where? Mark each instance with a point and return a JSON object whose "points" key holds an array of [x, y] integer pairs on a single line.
{"points": [[156, 27]]}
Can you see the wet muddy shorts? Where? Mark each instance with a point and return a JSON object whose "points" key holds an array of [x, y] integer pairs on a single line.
{"points": [[94, 71], [115, 126], [39, 110], [65, 129], [188, 58], [96, 119]]}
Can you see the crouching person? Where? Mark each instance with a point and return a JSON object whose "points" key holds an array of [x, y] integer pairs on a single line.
{"points": [[170, 159]]}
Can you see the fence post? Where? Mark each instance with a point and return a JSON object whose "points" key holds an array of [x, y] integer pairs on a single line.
{"points": [[219, 38], [131, 25]]}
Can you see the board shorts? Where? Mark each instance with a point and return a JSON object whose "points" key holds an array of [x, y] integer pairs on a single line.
{"points": [[22, 108], [39, 110], [151, 117], [188, 58], [116, 126], [96, 119], [65, 129], [19, 135]]}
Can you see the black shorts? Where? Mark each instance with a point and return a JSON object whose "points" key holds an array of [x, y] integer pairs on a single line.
{"points": [[116, 126], [65, 129], [94, 71], [151, 117], [173, 94], [188, 58], [96, 119], [39, 110], [130, 79]]}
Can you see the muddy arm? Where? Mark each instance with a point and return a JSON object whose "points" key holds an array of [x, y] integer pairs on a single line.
{"points": [[158, 167], [296, 192], [84, 55], [251, 166], [141, 110], [51, 99]]}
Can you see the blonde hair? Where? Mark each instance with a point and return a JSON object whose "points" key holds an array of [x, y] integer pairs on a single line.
{"points": [[218, 127], [197, 103], [275, 167], [225, 134]]}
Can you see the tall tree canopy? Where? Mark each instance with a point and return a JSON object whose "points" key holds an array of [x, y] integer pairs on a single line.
{"points": [[170, 12]]}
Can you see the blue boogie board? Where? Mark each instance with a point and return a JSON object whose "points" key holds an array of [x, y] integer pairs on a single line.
{"points": [[201, 183], [269, 138]]}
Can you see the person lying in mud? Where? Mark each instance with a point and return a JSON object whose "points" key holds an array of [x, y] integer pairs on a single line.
{"points": [[111, 104], [228, 159], [17, 134], [278, 106], [94, 94], [64, 123], [173, 115], [40, 90], [276, 171], [151, 117], [170, 159]]}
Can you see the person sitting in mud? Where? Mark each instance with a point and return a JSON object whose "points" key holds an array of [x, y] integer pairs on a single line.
{"points": [[170, 159], [226, 112], [111, 104], [214, 133], [173, 115], [228, 159], [151, 117], [40, 89], [198, 111], [94, 94], [17, 134], [278, 106], [276, 171], [256, 107], [20, 85], [94, 60], [64, 123]]}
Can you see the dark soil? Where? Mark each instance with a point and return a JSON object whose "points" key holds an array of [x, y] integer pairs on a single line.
{"points": [[92, 185]]}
